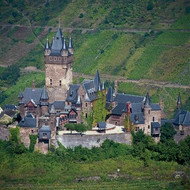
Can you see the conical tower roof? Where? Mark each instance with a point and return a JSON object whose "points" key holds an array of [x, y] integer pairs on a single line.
{"points": [[70, 43], [47, 44], [147, 102], [97, 82], [57, 43], [44, 95], [179, 99]]}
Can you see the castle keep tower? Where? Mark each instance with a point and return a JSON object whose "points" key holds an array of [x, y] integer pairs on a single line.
{"points": [[58, 67]]}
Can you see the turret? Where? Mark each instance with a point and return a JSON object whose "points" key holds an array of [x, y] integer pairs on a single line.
{"points": [[97, 82], [70, 46], [147, 102], [64, 51], [44, 101], [47, 50]]}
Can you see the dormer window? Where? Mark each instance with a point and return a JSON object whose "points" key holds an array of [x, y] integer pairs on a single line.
{"points": [[57, 38]]}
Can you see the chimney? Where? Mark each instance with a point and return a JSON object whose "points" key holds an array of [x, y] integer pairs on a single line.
{"points": [[128, 104], [116, 87], [33, 85]]}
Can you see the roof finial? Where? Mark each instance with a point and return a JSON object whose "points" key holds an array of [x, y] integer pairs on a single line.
{"points": [[59, 23]]}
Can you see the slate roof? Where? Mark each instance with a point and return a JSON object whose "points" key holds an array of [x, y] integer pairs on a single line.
{"points": [[102, 125], [34, 94], [70, 43], [109, 95], [72, 94], [44, 95], [97, 82], [155, 107], [155, 125], [10, 107], [137, 118], [52, 110], [59, 105], [47, 45], [123, 98], [147, 102], [57, 43], [45, 128], [89, 87], [119, 109], [182, 118], [28, 121]]}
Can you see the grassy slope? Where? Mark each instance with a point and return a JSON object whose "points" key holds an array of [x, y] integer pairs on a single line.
{"points": [[35, 169], [158, 56]]}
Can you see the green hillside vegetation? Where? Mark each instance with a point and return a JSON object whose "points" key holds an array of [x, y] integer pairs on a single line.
{"points": [[142, 165], [161, 53]]}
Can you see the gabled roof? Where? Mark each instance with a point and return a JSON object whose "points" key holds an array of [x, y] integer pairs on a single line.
{"points": [[28, 121], [89, 87], [109, 95], [123, 98], [34, 94], [10, 107], [72, 93], [182, 118], [137, 118]]}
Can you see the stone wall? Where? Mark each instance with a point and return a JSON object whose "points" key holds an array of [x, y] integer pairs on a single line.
{"points": [[4, 132], [71, 141]]}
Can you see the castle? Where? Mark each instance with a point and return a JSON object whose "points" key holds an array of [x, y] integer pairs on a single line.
{"points": [[46, 110]]}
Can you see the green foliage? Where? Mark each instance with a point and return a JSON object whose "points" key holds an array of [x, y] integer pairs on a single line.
{"points": [[11, 74], [33, 139], [76, 127], [150, 5], [129, 127], [15, 146], [167, 132], [99, 110]]}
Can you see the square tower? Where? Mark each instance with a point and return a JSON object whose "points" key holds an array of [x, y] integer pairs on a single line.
{"points": [[58, 67]]}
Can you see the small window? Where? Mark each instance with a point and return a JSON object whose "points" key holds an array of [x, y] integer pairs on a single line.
{"points": [[51, 82], [60, 83], [55, 58], [148, 111], [86, 115], [32, 131], [153, 119], [44, 135], [156, 129], [86, 104], [116, 123], [148, 126]]}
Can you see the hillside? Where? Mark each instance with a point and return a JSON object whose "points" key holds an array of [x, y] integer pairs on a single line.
{"points": [[146, 39]]}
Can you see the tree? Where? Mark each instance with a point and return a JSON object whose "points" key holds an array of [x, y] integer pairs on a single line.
{"points": [[80, 128], [99, 110], [167, 132], [70, 126], [129, 127]]}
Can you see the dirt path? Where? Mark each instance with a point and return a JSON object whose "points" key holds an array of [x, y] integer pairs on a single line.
{"points": [[140, 82]]}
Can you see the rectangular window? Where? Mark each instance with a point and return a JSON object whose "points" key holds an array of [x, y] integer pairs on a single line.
{"points": [[60, 83], [51, 82]]}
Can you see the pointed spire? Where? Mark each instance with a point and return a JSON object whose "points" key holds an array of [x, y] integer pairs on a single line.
{"points": [[70, 43], [59, 23], [20, 95], [179, 101], [109, 96], [44, 95], [52, 111], [64, 44], [147, 100], [103, 87], [47, 44], [97, 81]]}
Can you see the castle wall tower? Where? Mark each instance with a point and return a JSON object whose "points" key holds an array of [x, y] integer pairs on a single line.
{"points": [[58, 67]]}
